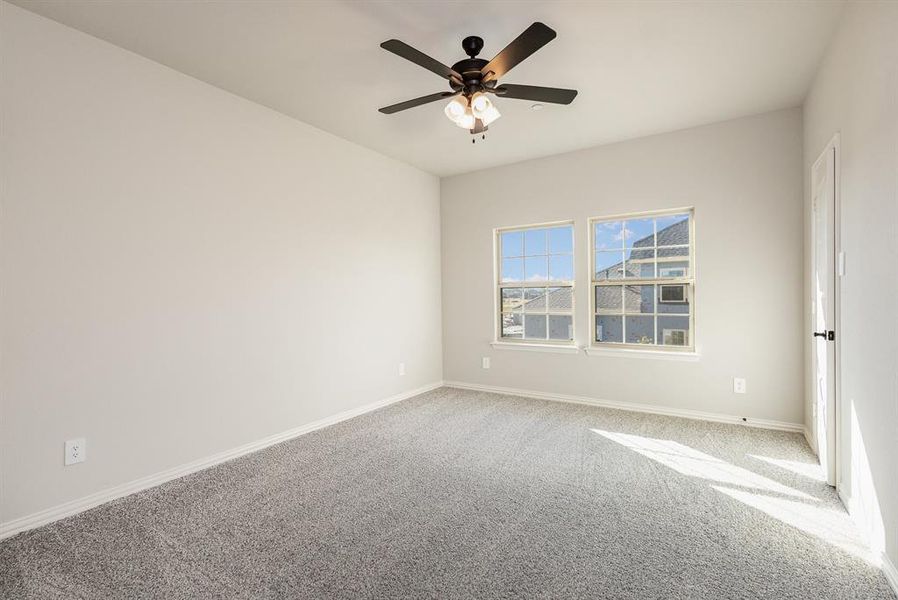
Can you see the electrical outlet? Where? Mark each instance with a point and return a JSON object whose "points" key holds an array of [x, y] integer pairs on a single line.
{"points": [[75, 451], [738, 385], [401, 369], [485, 362]]}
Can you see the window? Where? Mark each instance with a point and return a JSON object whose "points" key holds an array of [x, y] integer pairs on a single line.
{"points": [[536, 284], [643, 281], [675, 337], [673, 293]]}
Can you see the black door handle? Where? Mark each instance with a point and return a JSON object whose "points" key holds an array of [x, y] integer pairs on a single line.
{"points": [[827, 335], [820, 334]]}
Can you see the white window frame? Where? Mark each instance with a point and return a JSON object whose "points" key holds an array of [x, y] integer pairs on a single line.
{"points": [[498, 340], [687, 281]]}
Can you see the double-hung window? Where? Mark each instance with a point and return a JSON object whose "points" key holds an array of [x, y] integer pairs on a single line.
{"points": [[535, 287], [643, 281]]}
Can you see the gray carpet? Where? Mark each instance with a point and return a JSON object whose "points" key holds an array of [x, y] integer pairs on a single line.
{"points": [[457, 494]]}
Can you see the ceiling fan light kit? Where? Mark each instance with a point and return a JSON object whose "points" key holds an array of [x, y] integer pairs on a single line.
{"points": [[473, 79]]}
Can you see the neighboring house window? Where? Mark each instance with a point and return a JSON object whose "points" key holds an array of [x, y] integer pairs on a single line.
{"points": [[643, 280], [536, 283], [672, 293]]}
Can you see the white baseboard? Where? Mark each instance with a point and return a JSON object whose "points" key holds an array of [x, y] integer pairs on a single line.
{"points": [[810, 439], [644, 408], [73, 507], [891, 573]]}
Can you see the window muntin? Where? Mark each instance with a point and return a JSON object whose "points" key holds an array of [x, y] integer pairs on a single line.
{"points": [[642, 276], [536, 284]]}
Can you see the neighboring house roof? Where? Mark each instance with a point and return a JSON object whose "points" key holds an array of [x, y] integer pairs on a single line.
{"points": [[557, 300], [672, 235]]}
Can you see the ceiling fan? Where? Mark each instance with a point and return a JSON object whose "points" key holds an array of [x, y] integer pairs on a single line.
{"points": [[473, 79]]}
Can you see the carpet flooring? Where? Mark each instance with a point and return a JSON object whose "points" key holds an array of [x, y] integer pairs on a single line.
{"points": [[460, 494]]}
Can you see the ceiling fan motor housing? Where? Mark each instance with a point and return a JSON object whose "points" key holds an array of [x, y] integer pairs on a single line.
{"points": [[470, 68]]}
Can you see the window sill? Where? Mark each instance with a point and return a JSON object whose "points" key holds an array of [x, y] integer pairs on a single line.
{"points": [[552, 348], [656, 354]]}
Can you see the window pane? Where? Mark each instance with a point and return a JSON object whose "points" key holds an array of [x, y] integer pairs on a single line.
{"points": [[561, 327], [512, 269], [640, 263], [639, 299], [673, 331], [512, 325], [640, 232], [512, 298], [561, 240], [672, 255], [609, 299], [673, 230], [535, 327], [609, 265], [534, 242], [513, 243], [536, 268], [608, 235], [673, 260], [673, 299], [561, 268], [640, 330], [673, 269], [560, 300], [535, 299], [609, 329]]}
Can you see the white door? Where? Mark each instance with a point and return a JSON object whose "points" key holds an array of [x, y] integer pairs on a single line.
{"points": [[823, 191]]}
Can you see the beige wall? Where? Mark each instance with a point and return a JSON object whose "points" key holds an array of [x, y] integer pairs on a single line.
{"points": [[744, 179], [856, 95], [185, 271]]}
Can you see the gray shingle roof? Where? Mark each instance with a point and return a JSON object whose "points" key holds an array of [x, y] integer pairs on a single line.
{"points": [[672, 235]]}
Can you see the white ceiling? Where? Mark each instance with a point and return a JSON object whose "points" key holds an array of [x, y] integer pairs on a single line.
{"points": [[641, 67]]}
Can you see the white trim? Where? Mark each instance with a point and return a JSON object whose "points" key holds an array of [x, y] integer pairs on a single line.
{"points": [[891, 573], [556, 349], [631, 353], [643, 408], [74, 507], [809, 438], [833, 447]]}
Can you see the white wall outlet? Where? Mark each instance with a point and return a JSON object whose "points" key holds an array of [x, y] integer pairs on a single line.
{"points": [[485, 362], [738, 385], [401, 369], [75, 451]]}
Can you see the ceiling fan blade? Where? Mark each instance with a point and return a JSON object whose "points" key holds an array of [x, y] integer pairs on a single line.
{"points": [[394, 108], [534, 37], [536, 93], [419, 58]]}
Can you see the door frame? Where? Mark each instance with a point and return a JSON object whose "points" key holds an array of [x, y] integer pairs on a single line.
{"points": [[833, 476]]}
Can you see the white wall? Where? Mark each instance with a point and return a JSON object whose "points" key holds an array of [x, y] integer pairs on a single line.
{"points": [[744, 179], [856, 94], [185, 271]]}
